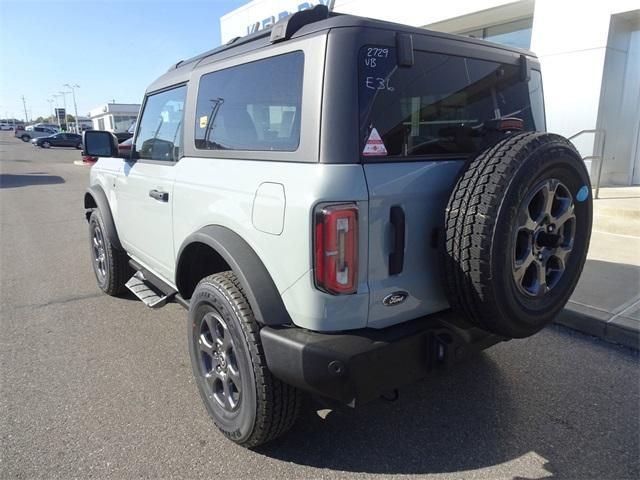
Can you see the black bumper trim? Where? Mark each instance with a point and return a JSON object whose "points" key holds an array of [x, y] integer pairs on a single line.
{"points": [[357, 366]]}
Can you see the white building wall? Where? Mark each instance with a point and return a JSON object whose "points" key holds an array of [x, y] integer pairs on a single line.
{"points": [[571, 39], [411, 12]]}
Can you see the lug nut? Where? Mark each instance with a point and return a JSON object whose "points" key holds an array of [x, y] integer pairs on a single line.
{"points": [[550, 228], [539, 256]]}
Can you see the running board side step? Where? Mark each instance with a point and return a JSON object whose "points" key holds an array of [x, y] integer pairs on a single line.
{"points": [[146, 292], [153, 292]]}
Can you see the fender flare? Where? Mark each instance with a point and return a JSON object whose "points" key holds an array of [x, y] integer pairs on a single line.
{"points": [[261, 291], [100, 202]]}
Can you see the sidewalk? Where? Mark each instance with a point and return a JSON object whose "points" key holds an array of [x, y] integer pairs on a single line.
{"points": [[606, 302]]}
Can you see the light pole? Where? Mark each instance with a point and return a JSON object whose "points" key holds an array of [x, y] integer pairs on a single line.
{"points": [[64, 103], [24, 104], [75, 106], [50, 102]]}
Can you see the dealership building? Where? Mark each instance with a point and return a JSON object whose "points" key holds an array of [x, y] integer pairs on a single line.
{"points": [[589, 54], [114, 117]]}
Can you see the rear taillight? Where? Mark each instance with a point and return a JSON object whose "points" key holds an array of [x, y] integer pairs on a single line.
{"points": [[336, 248]]}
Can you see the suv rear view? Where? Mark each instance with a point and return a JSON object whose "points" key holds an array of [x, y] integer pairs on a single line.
{"points": [[342, 205]]}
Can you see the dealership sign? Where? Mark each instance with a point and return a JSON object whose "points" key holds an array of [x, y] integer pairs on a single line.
{"points": [[61, 115], [271, 19]]}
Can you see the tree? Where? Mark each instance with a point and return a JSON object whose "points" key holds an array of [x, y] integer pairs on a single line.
{"points": [[70, 118]]}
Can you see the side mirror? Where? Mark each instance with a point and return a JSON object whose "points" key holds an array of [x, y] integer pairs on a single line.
{"points": [[99, 143]]}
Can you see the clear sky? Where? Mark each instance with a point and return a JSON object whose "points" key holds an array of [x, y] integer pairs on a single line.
{"points": [[113, 49]]}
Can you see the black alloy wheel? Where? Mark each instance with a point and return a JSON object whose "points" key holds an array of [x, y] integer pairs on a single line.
{"points": [[99, 253], [544, 239], [217, 361]]}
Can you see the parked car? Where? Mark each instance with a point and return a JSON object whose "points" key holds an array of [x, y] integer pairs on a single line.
{"points": [[59, 140], [31, 132], [124, 148], [122, 136], [48, 125], [6, 126], [350, 204], [18, 130]]}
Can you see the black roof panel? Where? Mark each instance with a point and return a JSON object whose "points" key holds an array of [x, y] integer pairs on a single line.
{"points": [[261, 39]]}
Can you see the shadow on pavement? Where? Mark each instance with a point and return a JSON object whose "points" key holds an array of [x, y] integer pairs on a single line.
{"points": [[9, 180], [468, 418], [449, 422]]}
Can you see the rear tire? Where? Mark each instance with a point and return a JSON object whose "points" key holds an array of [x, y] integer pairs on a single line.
{"points": [[25, 138], [110, 265], [517, 229], [247, 403]]}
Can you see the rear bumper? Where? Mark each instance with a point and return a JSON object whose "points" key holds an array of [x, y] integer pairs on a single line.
{"points": [[357, 366]]}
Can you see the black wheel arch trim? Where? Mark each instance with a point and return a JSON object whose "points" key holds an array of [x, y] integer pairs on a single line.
{"points": [[96, 193], [261, 291]]}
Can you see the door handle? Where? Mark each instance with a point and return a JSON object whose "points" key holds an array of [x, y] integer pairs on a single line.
{"points": [[158, 195], [396, 257]]}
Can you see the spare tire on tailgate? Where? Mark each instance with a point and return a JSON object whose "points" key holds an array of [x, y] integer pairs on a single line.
{"points": [[517, 229]]}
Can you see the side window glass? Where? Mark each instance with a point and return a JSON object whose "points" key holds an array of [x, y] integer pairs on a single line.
{"points": [[160, 131], [254, 106]]}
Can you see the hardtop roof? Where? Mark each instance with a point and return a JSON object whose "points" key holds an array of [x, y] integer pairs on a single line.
{"points": [[180, 71]]}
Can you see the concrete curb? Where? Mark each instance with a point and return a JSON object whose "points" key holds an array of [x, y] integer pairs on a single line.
{"points": [[615, 329]]}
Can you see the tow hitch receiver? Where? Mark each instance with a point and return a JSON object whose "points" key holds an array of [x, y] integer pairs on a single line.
{"points": [[445, 348]]}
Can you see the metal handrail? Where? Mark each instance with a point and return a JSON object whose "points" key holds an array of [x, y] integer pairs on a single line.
{"points": [[593, 157]]}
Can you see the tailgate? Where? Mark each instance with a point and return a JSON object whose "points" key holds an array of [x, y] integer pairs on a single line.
{"points": [[419, 190], [421, 116]]}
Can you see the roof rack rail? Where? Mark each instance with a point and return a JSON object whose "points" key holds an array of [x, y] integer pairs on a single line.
{"points": [[285, 28], [282, 30], [175, 65], [234, 42]]}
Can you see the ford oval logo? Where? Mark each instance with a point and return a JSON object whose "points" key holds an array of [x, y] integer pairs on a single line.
{"points": [[395, 298]]}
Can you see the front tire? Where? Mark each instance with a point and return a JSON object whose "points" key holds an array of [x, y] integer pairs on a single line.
{"points": [[46, 145], [247, 403], [110, 265]]}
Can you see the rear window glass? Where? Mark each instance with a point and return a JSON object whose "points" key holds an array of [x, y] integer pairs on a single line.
{"points": [[443, 105], [255, 106]]}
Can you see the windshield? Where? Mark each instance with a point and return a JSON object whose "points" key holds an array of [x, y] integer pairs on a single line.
{"points": [[443, 105]]}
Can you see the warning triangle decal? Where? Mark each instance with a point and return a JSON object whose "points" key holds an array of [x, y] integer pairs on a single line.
{"points": [[374, 145]]}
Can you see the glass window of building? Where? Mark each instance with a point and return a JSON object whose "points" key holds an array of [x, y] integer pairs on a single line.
{"points": [[516, 33], [124, 122]]}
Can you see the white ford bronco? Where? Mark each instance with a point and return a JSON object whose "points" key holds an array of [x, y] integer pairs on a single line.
{"points": [[342, 204]]}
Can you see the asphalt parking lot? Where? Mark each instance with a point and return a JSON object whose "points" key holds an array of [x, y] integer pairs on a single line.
{"points": [[101, 387]]}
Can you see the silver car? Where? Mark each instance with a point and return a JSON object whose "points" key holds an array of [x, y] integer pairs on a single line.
{"points": [[32, 132]]}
